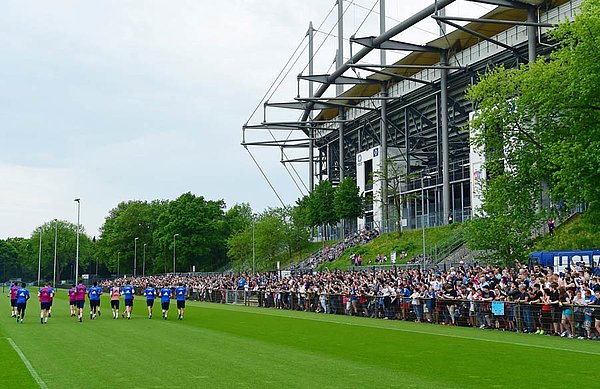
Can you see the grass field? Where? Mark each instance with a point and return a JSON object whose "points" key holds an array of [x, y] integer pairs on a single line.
{"points": [[243, 347]]}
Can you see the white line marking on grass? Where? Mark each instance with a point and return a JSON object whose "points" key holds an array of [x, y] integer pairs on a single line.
{"points": [[328, 320], [32, 371]]}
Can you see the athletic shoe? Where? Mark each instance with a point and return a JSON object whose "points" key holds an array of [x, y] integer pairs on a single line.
{"points": [[41, 320], [49, 314], [123, 314], [128, 317], [98, 313], [81, 320], [21, 321], [91, 316], [541, 332]]}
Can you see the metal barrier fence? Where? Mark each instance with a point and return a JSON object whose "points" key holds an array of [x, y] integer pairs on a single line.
{"points": [[582, 321]]}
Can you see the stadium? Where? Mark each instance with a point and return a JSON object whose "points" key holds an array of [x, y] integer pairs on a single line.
{"points": [[469, 325], [412, 112]]}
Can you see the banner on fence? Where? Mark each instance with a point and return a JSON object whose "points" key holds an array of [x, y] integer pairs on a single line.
{"points": [[498, 308]]}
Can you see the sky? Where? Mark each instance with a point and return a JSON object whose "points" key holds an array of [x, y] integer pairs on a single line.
{"points": [[111, 101]]}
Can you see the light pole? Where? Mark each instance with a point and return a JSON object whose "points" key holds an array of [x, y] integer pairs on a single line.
{"points": [[253, 250], [77, 244], [40, 257], [174, 236], [118, 262], [135, 256], [55, 248], [144, 263], [423, 216]]}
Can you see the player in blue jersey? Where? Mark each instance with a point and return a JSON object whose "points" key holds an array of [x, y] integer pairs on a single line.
{"points": [[150, 293], [128, 292], [22, 297], [94, 295], [180, 294], [165, 299]]}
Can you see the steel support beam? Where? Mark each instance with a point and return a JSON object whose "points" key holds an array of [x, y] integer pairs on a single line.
{"points": [[392, 32], [445, 146], [339, 81], [528, 23], [393, 45], [502, 3]]}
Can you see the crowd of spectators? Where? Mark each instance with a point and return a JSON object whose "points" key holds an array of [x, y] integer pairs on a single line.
{"points": [[532, 300], [330, 253]]}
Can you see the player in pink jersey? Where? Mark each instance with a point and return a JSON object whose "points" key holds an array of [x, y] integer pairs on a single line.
{"points": [[72, 303], [115, 295], [80, 292], [13, 299], [45, 294]]}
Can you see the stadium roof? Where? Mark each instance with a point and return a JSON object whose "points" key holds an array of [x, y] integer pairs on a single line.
{"points": [[456, 40]]}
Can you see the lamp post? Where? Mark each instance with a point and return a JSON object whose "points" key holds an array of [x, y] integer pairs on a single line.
{"points": [[253, 250], [144, 263], [423, 215], [78, 201], [40, 257], [174, 236], [55, 248], [135, 256], [118, 262]]}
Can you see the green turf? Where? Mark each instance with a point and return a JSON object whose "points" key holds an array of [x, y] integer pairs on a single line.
{"points": [[231, 346]]}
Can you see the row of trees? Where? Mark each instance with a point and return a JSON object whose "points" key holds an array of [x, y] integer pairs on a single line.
{"points": [[539, 128], [201, 233]]}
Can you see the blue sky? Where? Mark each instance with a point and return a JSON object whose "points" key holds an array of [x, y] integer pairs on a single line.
{"points": [[111, 101]]}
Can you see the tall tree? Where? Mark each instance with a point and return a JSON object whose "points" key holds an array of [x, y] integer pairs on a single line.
{"points": [[347, 201], [127, 221], [539, 127], [202, 230]]}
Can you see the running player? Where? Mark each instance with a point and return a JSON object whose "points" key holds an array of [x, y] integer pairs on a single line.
{"points": [[115, 295], [180, 293], [13, 299], [22, 297], [80, 293], [94, 295], [150, 293], [165, 299], [128, 292], [45, 295], [72, 302], [51, 298]]}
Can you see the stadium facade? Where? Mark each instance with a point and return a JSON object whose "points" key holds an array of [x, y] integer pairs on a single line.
{"points": [[413, 112]]}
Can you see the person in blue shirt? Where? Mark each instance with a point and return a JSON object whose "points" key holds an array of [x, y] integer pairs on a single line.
{"points": [[180, 293], [150, 293], [94, 295], [128, 292], [165, 299], [22, 297]]}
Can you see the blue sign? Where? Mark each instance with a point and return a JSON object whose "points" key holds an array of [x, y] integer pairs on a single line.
{"points": [[498, 308]]}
